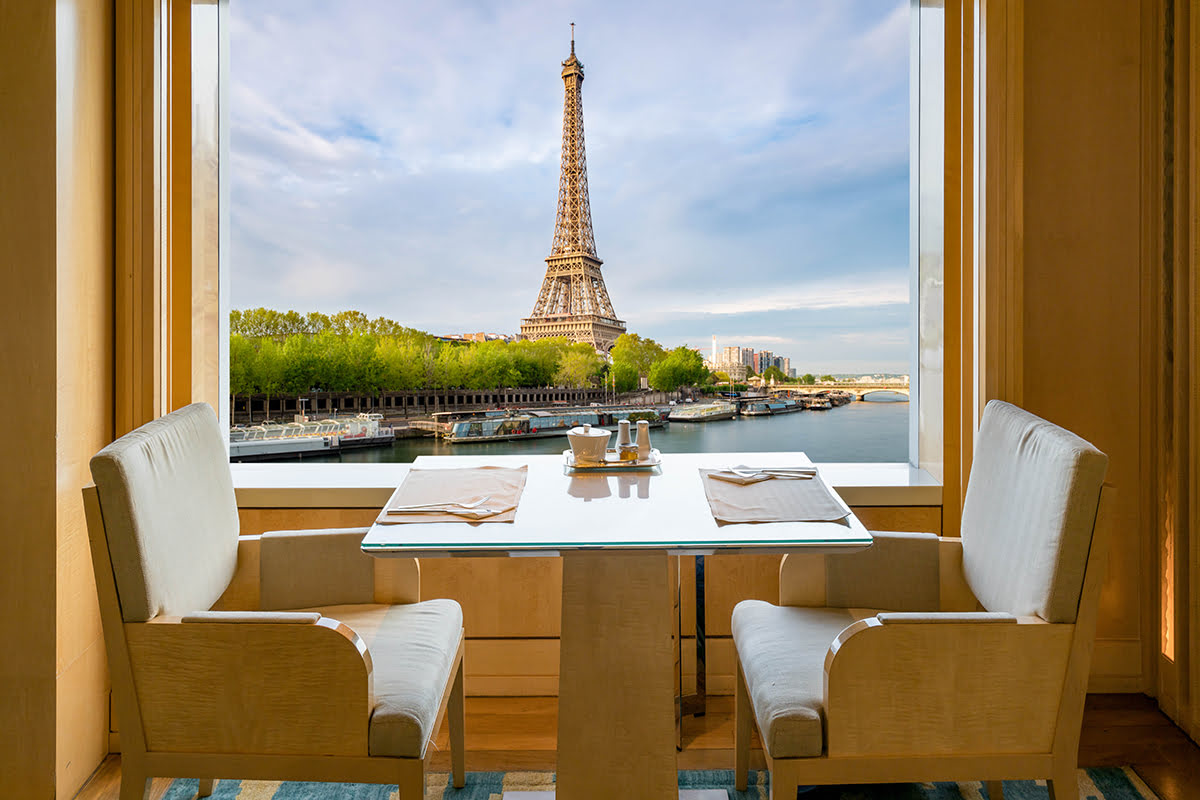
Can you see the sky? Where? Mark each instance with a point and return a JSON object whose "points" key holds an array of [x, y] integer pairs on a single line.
{"points": [[748, 165]]}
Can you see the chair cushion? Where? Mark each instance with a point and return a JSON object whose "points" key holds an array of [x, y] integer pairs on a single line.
{"points": [[169, 514], [1028, 515], [412, 651], [782, 651]]}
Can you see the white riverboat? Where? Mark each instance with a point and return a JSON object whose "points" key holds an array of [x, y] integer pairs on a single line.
{"points": [[703, 412], [271, 441]]}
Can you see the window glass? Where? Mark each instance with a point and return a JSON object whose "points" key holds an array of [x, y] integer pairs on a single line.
{"points": [[726, 190]]}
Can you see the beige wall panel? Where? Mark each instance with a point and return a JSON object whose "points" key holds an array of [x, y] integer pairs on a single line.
{"points": [[261, 520], [499, 596], [728, 580], [919, 519], [27, 371], [1082, 226], [81, 717], [84, 410], [515, 667]]}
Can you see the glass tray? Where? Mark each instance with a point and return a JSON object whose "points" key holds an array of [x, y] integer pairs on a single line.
{"points": [[611, 462]]}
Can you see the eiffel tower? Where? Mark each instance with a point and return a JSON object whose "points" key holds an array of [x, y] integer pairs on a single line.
{"points": [[573, 302]]}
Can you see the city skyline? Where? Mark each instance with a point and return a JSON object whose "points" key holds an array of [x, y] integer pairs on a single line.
{"points": [[408, 167]]}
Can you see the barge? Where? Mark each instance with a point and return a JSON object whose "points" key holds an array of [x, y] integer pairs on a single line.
{"points": [[768, 408], [706, 412], [272, 441], [498, 426]]}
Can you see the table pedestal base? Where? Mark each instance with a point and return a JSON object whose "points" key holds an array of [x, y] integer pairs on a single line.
{"points": [[616, 715]]}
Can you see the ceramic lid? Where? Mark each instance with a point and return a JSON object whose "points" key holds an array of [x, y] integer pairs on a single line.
{"points": [[588, 430]]}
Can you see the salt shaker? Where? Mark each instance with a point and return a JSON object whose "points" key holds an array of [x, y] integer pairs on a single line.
{"points": [[643, 439], [623, 433]]}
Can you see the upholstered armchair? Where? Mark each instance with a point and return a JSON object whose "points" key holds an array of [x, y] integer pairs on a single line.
{"points": [[927, 658], [286, 656]]}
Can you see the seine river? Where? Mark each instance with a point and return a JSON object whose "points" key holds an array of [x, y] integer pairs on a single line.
{"points": [[875, 430]]}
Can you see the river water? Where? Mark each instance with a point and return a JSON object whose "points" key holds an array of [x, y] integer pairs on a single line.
{"points": [[875, 430]]}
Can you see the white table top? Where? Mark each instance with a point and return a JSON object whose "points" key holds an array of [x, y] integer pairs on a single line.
{"points": [[661, 510]]}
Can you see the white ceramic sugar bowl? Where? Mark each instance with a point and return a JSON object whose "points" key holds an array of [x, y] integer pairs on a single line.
{"points": [[588, 443]]}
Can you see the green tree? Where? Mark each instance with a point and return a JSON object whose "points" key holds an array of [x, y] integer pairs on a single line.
{"points": [[637, 352], [626, 376], [774, 373], [682, 367], [579, 364], [828, 379], [267, 373], [241, 362], [808, 379], [447, 368]]}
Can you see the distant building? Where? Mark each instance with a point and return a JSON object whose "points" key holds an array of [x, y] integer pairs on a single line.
{"points": [[477, 337]]}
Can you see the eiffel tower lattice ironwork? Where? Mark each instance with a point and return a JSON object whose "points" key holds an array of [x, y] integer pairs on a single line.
{"points": [[573, 302]]}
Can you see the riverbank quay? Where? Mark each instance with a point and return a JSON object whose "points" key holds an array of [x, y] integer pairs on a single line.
{"points": [[423, 404]]}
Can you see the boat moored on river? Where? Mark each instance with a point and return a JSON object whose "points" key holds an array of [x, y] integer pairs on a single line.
{"points": [[703, 412], [766, 408], [495, 426], [272, 441]]}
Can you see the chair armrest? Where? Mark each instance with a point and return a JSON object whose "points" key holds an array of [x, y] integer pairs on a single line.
{"points": [[971, 684], [260, 617], [944, 617], [251, 683], [899, 571], [304, 569]]}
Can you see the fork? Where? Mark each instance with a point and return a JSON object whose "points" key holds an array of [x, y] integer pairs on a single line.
{"points": [[800, 473], [436, 506]]}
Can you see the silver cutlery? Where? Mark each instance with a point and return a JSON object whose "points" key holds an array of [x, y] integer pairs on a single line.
{"points": [[446, 506], [786, 473]]}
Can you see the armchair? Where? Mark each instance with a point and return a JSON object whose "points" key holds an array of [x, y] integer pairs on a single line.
{"points": [[927, 658], [290, 655]]}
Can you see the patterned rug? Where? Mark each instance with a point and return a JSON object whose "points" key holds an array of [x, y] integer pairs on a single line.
{"points": [[1108, 783]]}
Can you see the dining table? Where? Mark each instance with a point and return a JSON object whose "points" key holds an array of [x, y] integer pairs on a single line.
{"points": [[617, 531]]}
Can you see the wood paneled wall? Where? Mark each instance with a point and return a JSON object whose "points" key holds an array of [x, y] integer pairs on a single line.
{"points": [[84, 407], [27, 371], [56, 367], [1081, 269]]}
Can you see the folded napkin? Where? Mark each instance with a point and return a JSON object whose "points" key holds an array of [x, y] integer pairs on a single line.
{"points": [[764, 500], [502, 486], [743, 475]]}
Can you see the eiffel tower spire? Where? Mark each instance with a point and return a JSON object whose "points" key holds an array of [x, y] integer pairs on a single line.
{"points": [[573, 301]]}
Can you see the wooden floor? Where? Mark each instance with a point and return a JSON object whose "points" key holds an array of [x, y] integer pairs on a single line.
{"points": [[519, 734]]}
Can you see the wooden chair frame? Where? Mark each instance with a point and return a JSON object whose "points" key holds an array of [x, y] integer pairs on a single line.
{"points": [[961, 753], [322, 741]]}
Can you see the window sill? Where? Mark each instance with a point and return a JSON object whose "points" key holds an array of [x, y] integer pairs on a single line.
{"points": [[276, 485]]}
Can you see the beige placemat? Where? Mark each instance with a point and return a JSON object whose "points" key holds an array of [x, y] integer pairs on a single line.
{"points": [[502, 486], [772, 501]]}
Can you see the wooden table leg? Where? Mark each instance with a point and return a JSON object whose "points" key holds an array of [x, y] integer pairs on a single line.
{"points": [[616, 707]]}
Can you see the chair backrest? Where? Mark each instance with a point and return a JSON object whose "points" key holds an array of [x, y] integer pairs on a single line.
{"points": [[170, 517], [1029, 512]]}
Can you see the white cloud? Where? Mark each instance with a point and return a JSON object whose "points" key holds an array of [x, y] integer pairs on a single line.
{"points": [[811, 297], [739, 156]]}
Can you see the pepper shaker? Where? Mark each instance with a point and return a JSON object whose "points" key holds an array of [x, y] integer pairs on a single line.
{"points": [[623, 433], [643, 439]]}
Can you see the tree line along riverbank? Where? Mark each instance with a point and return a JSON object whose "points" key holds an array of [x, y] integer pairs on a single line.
{"points": [[273, 353]]}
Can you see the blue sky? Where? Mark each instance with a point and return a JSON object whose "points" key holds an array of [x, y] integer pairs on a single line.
{"points": [[748, 165]]}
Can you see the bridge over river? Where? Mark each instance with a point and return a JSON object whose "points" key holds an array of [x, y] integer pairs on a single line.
{"points": [[859, 390]]}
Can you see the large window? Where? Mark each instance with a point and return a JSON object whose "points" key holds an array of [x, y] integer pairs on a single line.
{"points": [[748, 171]]}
